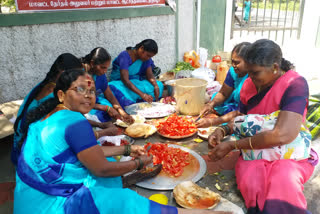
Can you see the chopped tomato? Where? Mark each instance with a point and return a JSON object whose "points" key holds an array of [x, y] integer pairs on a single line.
{"points": [[176, 126], [173, 160]]}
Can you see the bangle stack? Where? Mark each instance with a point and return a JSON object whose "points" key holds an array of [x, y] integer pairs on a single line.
{"points": [[107, 108], [127, 150], [140, 163], [224, 131]]}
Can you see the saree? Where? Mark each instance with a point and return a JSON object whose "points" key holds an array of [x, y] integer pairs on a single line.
{"points": [[137, 73], [51, 179], [247, 7], [271, 180], [232, 102], [22, 113], [101, 84]]}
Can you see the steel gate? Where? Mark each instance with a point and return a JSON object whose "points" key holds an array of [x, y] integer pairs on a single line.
{"points": [[272, 19]]}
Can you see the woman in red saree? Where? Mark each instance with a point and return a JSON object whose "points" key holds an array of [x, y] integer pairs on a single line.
{"points": [[276, 156]]}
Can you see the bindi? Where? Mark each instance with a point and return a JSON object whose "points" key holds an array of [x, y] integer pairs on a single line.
{"points": [[89, 80]]}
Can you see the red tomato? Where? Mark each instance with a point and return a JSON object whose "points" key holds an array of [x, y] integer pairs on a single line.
{"points": [[173, 159]]}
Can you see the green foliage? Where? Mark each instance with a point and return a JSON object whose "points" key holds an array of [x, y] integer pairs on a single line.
{"points": [[182, 66], [8, 3]]}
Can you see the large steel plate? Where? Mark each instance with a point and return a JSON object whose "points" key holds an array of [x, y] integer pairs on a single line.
{"points": [[151, 110], [194, 172]]}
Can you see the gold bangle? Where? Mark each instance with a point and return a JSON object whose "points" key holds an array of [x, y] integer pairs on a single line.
{"points": [[250, 143], [224, 132], [235, 145]]}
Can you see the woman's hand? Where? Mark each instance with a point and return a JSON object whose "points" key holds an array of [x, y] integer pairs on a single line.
{"points": [[207, 122], [207, 109], [137, 150], [105, 125], [215, 138], [148, 98], [156, 92], [146, 159], [221, 150], [127, 119], [114, 113]]}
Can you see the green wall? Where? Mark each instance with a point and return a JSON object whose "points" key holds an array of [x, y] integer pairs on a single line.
{"points": [[212, 25]]}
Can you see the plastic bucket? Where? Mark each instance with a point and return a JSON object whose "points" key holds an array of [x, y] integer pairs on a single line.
{"points": [[190, 95]]}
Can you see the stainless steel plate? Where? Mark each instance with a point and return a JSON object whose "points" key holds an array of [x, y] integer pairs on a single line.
{"points": [[193, 172], [153, 110]]}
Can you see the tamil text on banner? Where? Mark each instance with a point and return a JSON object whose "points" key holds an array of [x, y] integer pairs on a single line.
{"points": [[50, 5]]}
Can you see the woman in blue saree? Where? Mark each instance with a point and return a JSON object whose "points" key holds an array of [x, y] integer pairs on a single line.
{"points": [[226, 101], [62, 169], [40, 93], [131, 79], [107, 106]]}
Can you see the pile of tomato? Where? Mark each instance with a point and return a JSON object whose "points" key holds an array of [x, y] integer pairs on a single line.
{"points": [[176, 125], [173, 160]]}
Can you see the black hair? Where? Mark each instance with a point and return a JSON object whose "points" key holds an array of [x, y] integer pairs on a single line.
{"points": [[63, 62], [241, 49], [99, 56], [265, 52], [148, 45], [63, 83]]}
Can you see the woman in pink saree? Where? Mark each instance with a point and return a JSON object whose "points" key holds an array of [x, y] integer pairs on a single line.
{"points": [[276, 156]]}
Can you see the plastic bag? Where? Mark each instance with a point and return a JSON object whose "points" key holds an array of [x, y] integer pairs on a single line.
{"points": [[203, 56], [213, 87], [204, 73]]}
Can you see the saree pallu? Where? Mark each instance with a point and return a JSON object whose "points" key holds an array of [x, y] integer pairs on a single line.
{"points": [[17, 134], [232, 102], [50, 178], [126, 96]]}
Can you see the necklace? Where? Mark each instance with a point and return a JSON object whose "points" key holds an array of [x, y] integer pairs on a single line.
{"points": [[63, 107]]}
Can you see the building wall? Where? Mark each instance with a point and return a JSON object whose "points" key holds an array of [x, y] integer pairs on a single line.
{"points": [[186, 27], [27, 52]]}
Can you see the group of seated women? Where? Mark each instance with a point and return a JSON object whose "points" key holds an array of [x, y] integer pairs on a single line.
{"points": [[61, 168]]}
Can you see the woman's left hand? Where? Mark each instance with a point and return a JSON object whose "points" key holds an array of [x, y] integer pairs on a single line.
{"points": [[148, 98], [127, 119], [137, 150], [156, 92], [220, 151]]}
